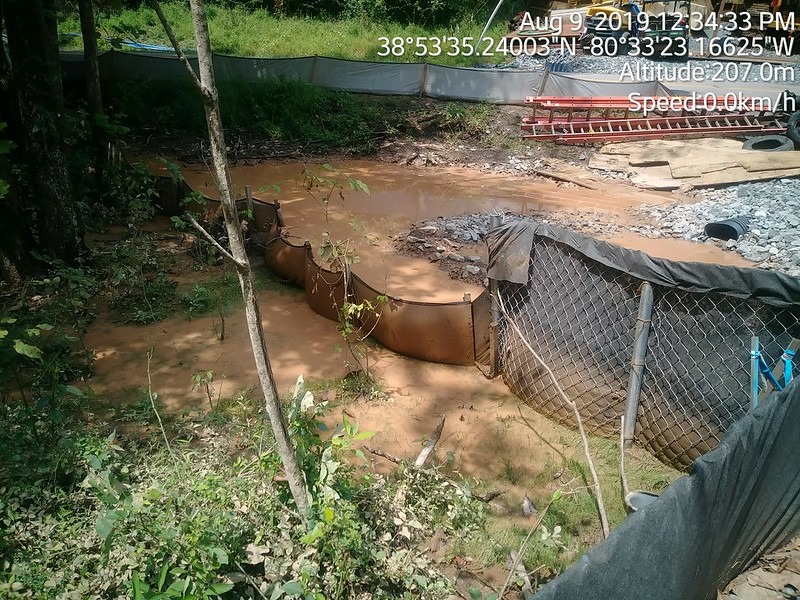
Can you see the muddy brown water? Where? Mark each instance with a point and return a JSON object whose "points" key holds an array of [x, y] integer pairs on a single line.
{"points": [[484, 435], [401, 195]]}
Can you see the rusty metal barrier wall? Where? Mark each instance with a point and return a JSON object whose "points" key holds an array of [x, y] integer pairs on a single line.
{"points": [[324, 288], [437, 332]]}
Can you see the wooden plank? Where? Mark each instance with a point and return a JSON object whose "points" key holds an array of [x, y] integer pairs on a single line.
{"points": [[660, 177], [668, 147], [693, 165], [610, 162]]}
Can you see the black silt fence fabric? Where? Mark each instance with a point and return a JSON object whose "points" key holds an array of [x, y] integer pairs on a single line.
{"points": [[579, 316], [697, 378], [741, 500], [578, 311]]}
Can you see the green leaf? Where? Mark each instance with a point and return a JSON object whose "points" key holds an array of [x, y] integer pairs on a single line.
{"points": [[292, 588], [327, 167], [105, 523], [3, 333], [220, 588], [162, 576], [138, 587], [220, 555], [45, 327], [475, 594], [556, 495], [270, 188], [73, 391], [328, 514], [364, 435], [276, 593], [492, 596], [27, 350], [8, 320], [313, 535], [33, 332], [359, 186]]}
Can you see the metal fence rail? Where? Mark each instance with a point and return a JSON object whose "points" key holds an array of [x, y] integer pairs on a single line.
{"points": [[581, 316]]}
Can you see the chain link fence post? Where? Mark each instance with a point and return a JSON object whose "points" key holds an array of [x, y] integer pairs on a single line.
{"points": [[637, 362], [494, 327]]}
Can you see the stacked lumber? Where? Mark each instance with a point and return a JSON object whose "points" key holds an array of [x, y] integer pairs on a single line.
{"points": [[672, 164]]}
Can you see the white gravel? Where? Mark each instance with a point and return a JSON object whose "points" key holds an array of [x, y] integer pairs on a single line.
{"points": [[773, 208]]}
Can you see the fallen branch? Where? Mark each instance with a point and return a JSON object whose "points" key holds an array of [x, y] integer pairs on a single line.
{"points": [[383, 454], [429, 447], [488, 497], [601, 508], [558, 177]]}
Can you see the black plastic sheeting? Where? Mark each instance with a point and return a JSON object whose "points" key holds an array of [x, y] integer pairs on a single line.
{"points": [[512, 241], [741, 500]]}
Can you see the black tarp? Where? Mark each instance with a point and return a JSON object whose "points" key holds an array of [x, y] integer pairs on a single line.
{"points": [[514, 239], [740, 500]]}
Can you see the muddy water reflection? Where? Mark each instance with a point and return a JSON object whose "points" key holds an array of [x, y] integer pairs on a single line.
{"points": [[400, 195]]}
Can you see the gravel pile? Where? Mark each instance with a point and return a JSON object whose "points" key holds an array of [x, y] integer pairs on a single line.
{"points": [[773, 241], [773, 209]]}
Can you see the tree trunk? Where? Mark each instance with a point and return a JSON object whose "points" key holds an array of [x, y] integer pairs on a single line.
{"points": [[94, 94], [36, 73], [238, 253]]}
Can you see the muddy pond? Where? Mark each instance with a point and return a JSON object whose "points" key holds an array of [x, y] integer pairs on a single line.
{"points": [[401, 195]]}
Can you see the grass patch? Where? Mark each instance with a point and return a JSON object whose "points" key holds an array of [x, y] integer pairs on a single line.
{"points": [[240, 32], [278, 109], [571, 525], [222, 294]]}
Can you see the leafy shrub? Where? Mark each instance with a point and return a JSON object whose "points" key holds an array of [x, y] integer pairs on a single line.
{"points": [[136, 280], [283, 109], [130, 192], [199, 301], [147, 522]]}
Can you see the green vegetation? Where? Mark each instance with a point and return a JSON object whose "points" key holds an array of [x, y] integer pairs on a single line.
{"points": [[245, 32], [571, 525], [86, 513], [279, 109], [318, 119]]}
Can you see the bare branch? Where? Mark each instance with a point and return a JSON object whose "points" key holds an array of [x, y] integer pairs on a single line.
{"points": [[601, 508], [432, 441], [383, 454], [214, 242], [488, 497], [174, 41]]}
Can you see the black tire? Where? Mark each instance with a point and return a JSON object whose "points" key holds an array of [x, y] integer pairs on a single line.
{"points": [[769, 143], [793, 129]]}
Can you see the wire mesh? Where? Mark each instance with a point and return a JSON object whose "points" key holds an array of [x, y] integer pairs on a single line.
{"points": [[580, 317]]}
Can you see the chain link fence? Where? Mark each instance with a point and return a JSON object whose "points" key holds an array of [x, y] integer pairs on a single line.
{"points": [[580, 315]]}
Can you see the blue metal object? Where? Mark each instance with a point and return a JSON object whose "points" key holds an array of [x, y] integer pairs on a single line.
{"points": [[767, 372], [755, 356], [787, 357]]}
